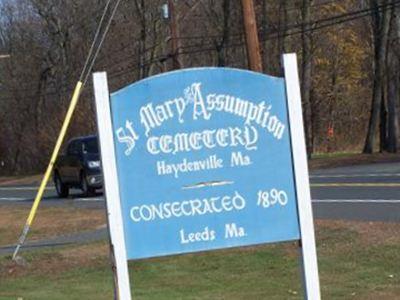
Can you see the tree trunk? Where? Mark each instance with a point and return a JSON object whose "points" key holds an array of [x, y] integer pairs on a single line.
{"points": [[306, 83], [380, 23], [332, 102], [219, 45], [393, 125], [397, 30], [140, 10], [383, 122], [393, 86], [251, 34], [283, 20], [174, 30], [264, 36]]}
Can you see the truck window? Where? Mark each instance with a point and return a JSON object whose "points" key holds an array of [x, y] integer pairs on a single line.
{"points": [[73, 148], [91, 146]]}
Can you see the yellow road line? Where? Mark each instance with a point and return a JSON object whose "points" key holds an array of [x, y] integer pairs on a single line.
{"points": [[370, 184]]}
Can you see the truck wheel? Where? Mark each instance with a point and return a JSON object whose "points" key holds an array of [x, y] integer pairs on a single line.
{"points": [[86, 189], [61, 188]]}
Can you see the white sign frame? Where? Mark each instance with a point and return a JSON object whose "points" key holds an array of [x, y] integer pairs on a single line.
{"points": [[106, 138], [111, 186], [299, 153]]}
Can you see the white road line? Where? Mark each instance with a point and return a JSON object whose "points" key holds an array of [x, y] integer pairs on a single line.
{"points": [[13, 199], [355, 184], [355, 175], [22, 188], [89, 199], [355, 201]]}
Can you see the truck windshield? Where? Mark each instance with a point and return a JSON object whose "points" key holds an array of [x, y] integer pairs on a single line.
{"points": [[91, 146]]}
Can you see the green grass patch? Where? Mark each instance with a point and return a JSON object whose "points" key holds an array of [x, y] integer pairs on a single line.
{"points": [[322, 155], [350, 268]]}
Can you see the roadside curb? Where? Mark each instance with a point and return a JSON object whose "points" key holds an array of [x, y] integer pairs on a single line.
{"points": [[76, 238]]}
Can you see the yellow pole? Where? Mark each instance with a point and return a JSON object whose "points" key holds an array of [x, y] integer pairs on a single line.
{"points": [[60, 139]]}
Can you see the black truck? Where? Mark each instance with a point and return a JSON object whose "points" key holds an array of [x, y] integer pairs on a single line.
{"points": [[79, 167]]}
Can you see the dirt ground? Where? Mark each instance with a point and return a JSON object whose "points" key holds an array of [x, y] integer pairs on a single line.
{"points": [[49, 222]]}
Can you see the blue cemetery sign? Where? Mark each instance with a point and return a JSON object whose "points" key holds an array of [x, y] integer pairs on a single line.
{"points": [[204, 161]]}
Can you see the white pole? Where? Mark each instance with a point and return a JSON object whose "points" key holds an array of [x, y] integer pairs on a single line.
{"points": [[106, 139], [309, 253]]}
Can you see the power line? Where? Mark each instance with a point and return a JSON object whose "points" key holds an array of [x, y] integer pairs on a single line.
{"points": [[101, 41], [237, 35], [344, 18], [339, 19], [313, 26], [61, 136], [95, 39]]}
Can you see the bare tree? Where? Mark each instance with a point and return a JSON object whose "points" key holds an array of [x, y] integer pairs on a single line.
{"points": [[380, 25], [49, 40]]}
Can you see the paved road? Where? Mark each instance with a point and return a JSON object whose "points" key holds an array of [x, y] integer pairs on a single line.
{"points": [[367, 192], [24, 195]]}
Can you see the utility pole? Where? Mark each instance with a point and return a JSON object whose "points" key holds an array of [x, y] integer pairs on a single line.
{"points": [[252, 42], [174, 35]]}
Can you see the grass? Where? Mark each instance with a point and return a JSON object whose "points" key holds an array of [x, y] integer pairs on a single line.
{"points": [[322, 155], [340, 159], [356, 261]]}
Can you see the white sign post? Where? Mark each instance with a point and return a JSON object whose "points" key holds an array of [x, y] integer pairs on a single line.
{"points": [[111, 186], [306, 220]]}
